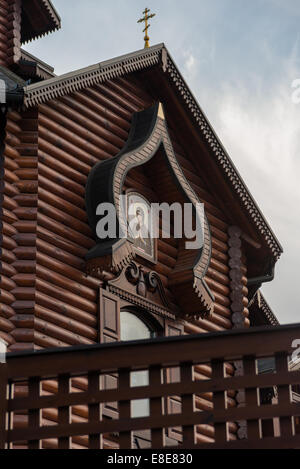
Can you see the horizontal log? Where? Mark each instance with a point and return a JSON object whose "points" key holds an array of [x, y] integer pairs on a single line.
{"points": [[6, 325], [59, 333], [6, 311], [25, 253], [8, 216], [67, 271], [7, 338], [61, 162], [6, 283], [76, 134], [24, 280], [65, 232], [98, 94], [52, 251], [124, 107], [96, 117], [23, 307], [24, 293], [217, 287], [7, 269], [60, 178], [86, 125], [8, 229], [67, 310], [26, 200], [10, 164], [10, 151], [26, 213], [64, 218], [8, 243], [8, 256], [21, 347], [25, 239], [67, 297], [12, 139], [9, 203], [27, 173], [25, 226], [67, 284], [9, 189], [23, 321], [45, 341], [27, 187], [90, 99], [25, 267], [62, 204], [66, 323], [23, 335], [27, 162], [48, 183]]}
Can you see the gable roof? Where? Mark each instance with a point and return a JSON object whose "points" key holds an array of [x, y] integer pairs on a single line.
{"points": [[261, 312], [39, 17], [145, 59]]}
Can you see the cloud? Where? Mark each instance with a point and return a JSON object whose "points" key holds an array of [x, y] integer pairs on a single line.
{"points": [[260, 127]]}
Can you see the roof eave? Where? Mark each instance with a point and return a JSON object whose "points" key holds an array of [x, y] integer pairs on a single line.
{"points": [[47, 8]]}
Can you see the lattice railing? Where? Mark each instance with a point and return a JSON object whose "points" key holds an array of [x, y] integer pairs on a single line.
{"points": [[87, 364]]}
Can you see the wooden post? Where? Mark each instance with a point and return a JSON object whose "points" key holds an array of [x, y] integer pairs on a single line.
{"points": [[219, 402], [156, 408], [95, 441], [3, 395], [34, 415], [254, 430], [287, 427], [64, 412], [186, 374], [125, 410]]}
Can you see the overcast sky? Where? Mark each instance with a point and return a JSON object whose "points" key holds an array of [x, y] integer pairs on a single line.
{"points": [[240, 59]]}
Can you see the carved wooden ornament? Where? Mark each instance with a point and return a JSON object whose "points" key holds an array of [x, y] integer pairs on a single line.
{"points": [[148, 136]]}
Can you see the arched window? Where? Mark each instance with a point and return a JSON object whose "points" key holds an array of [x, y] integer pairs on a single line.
{"points": [[134, 328]]}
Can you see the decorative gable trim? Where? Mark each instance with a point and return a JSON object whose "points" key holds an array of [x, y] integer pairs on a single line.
{"points": [[141, 60]]}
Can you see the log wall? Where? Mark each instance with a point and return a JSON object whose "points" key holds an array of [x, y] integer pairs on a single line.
{"points": [[47, 301]]}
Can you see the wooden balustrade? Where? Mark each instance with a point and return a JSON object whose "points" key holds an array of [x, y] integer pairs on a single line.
{"points": [[64, 367]]}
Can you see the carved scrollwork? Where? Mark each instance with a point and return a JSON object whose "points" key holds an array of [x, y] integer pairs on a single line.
{"points": [[146, 282]]}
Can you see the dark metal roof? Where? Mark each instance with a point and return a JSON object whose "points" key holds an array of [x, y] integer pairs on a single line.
{"points": [[145, 59]]}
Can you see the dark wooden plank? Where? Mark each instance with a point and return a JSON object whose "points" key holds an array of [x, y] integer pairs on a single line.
{"points": [[188, 431], [287, 426], [156, 408], [163, 390], [198, 349], [219, 401], [34, 415], [127, 425], [125, 439], [64, 413], [95, 440]]}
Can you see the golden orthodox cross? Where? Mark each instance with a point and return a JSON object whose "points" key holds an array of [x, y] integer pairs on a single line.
{"points": [[145, 19]]}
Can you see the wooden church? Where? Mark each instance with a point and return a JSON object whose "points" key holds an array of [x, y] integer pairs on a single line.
{"points": [[127, 127]]}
